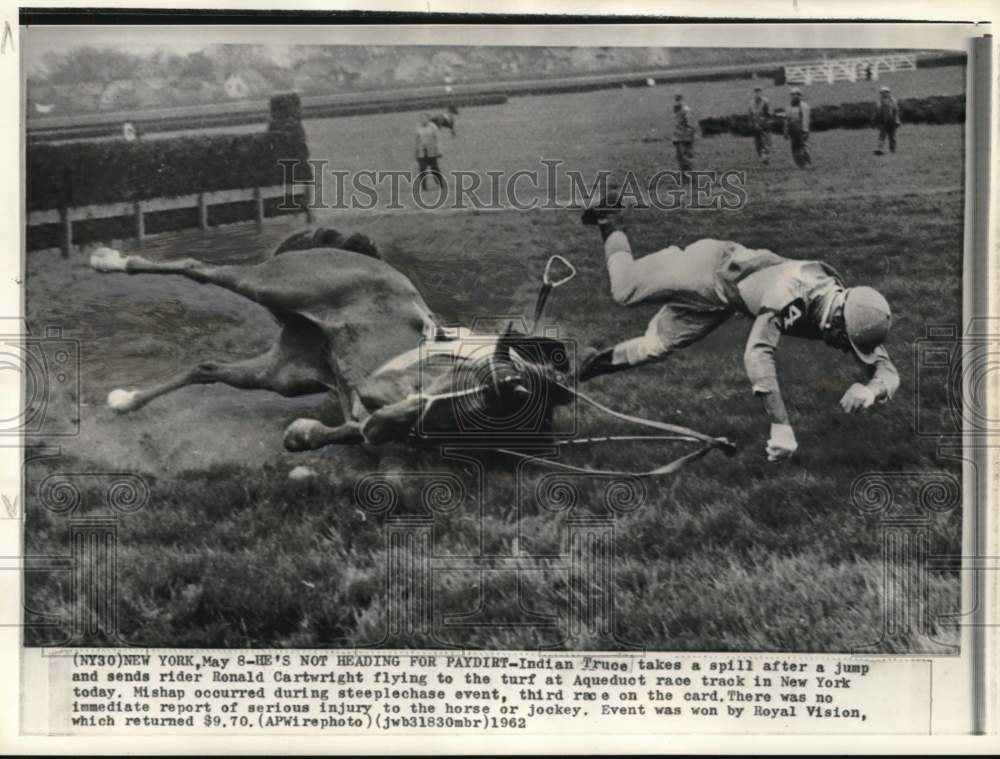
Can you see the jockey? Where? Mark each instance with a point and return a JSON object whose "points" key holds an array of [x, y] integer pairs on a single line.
{"points": [[704, 284]]}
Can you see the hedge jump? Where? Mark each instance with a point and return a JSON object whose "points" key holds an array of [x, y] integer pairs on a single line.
{"points": [[942, 109], [108, 182]]}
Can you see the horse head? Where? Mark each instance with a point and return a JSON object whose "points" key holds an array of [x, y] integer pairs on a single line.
{"points": [[525, 381]]}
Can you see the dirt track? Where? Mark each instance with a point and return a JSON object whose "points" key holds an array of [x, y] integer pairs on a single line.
{"points": [[134, 330]]}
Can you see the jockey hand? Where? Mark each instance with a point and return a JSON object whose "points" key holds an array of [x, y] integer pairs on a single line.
{"points": [[857, 398], [782, 443]]}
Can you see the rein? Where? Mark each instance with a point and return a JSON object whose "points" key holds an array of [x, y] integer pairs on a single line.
{"points": [[678, 433]]}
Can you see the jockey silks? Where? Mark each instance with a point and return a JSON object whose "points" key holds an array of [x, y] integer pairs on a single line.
{"points": [[702, 285]]}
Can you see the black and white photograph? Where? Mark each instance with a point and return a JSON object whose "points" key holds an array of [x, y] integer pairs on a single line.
{"points": [[408, 341]]}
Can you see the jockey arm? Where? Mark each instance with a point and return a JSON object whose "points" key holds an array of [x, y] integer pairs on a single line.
{"points": [[758, 359], [883, 378], [883, 381]]}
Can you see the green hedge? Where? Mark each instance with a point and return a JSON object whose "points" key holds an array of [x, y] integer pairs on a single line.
{"points": [[947, 109], [88, 173]]}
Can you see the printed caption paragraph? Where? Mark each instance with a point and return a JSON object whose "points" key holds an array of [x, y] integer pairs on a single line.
{"points": [[236, 692]]}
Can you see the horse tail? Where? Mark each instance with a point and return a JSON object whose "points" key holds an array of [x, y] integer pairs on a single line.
{"points": [[327, 237]]}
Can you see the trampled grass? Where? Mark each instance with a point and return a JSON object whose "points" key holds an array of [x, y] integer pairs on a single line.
{"points": [[728, 554]]}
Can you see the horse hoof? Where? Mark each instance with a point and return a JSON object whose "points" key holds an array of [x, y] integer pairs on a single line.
{"points": [[107, 259], [122, 400], [302, 473], [299, 435]]}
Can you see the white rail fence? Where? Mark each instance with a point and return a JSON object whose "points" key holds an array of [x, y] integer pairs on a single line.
{"points": [[863, 68], [66, 217]]}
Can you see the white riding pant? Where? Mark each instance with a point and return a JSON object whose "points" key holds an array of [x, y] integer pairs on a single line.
{"points": [[684, 279]]}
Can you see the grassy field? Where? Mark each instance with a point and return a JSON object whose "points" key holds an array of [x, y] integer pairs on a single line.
{"points": [[729, 554]]}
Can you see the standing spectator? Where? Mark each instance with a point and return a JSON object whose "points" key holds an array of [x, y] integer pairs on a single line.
{"points": [[760, 119], [886, 120], [683, 133], [797, 129], [427, 153]]}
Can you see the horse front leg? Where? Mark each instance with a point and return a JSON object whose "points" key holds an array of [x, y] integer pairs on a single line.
{"points": [[341, 390], [310, 434], [392, 423]]}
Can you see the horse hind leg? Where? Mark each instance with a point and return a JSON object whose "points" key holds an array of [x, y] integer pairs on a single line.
{"points": [[233, 278], [247, 374], [268, 371]]}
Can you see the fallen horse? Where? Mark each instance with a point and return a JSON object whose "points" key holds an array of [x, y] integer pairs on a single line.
{"points": [[355, 327]]}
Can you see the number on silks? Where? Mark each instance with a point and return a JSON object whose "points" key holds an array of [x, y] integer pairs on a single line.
{"points": [[791, 313]]}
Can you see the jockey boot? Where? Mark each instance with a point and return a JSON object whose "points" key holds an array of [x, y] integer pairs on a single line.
{"points": [[597, 363], [606, 214], [609, 213]]}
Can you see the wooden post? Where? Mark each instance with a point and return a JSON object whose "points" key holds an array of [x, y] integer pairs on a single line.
{"points": [[140, 226], [310, 197], [66, 243], [258, 208], [202, 213]]}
